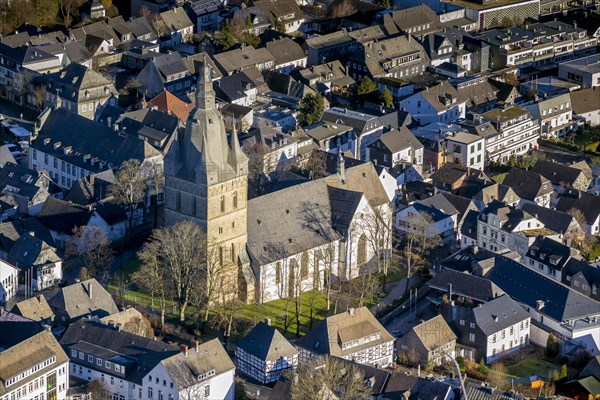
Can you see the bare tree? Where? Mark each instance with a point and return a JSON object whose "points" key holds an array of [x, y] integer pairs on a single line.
{"points": [[38, 96], [129, 187], [92, 246], [155, 21], [377, 226], [225, 316], [328, 378], [155, 179], [96, 390], [152, 276], [315, 165], [211, 281], [181, 249], [341, 9], [497, 376]]}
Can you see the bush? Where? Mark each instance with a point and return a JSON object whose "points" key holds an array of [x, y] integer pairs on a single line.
{"points": [[484, 369], [594, 253], [552, 349]]}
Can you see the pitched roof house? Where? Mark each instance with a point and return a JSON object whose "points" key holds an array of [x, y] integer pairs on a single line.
{"points": [[80, 299], [245, 57], [35, 308], [32, 254], [586, 104], [353, 335], [433, 341], [264, 354], [530, 186], [588, 204]]}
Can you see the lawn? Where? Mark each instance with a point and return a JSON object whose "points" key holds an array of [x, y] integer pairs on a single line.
{"points": [[531, 365], [585, 138], [396, 275], [500, 177]]}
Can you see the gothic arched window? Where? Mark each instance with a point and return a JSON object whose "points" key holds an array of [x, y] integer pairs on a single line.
{"points": [[235, 200], [222, 203]]}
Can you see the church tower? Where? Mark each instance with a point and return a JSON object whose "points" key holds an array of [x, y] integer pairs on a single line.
{"points": [[206, 181]]}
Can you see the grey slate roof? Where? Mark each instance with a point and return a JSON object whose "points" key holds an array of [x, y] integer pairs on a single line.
{"points": [[30, 251], [559, 173], [63, 216], [16, 328], [77, 301], [586, 203], [36, 308], [400, 139], [498, 314], [467, 285], [527, 184], [554, 220], [266, 343], [561, 303]]}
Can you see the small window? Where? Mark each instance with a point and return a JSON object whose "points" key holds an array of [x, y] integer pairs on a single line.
{"points": [[107, 364]]}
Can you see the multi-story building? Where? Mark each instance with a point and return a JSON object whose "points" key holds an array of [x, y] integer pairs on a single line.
{"points": [[396, 57], [584, 71], [432, 340], [109, 355], [80, 89], [466, 149], [353, 335], [416, 21], [245, 57], [9, 284], [516, 133], [35, 367], [489, 14], [586, 105], [439, 103], [271, 150], [286, 14], [332, 137], [396, 147], [537, 44], [493, 330], [264, 354], [555, 116], [434, 216], [70, 147]]}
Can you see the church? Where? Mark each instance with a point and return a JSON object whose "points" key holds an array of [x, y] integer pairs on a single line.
{"points": [[301, 237]]}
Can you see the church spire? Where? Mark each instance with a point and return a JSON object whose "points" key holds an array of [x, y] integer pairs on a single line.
{"points": [[205, 94], [236, 156]]}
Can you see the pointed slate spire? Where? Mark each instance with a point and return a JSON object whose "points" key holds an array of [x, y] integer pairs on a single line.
{"points": [[205, 94], [236, 156]]}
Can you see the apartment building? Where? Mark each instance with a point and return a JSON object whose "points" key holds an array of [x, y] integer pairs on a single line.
{"points": [[584, 71], [517, 132], [537, 44], [555, 116]]}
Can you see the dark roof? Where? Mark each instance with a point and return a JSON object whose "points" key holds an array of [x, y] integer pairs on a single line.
{"points": [[266, 343], [465, 259], [15, 329], [586, 203], [420, 388], [549, 252], [498, 314], [554, 220], [527, 184], [449, 174], [29, 251], [467, 285], [83, 298], [469, 226], [147, 353], [480, 392], [201, 7], [233, 87], [111, 212], [63, 216], [460, 203], [10, 231], [560, 302], [557, 173]]}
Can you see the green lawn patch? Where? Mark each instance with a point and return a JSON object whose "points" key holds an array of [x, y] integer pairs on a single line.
{"points": [[499, 178], [396, 275], [532, 365]]}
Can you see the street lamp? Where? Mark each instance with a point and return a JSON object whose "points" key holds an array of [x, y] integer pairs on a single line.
{"points": [[462, 384]]}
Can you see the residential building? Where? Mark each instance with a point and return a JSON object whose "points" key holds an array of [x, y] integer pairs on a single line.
{"points": [[435, 104], [29, 188], [166, 102], [435, 216], [9, 281], [586, 105], [494, 14], [205, 14], [450, 177], [37, 260], [333, 46], [245, 57], [236, 89], [367, 127], [272, 149], [260, 20], [491, 191], [152, 126], [285, 14], [588, 204], [264, 354], [164, 71], [81, 299], [80, 89], [455, 284], [396, 57], [503, 229], [397, 146], [35, 308], [563, 176], [537, 44], [584, 71], [70, 147], [466, 149], [352, 335], [549, 257], [561, 223], [493, 330], [516, 133], [333, 138], [34, 367], [582, 277], [570, 315], [530, 186], [111, 356], [178, 26], [555, 116], [276, 117], [433, 341], [288, 55], [417, 21]]}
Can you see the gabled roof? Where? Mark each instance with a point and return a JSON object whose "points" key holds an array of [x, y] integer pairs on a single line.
{"points": [[15, 329], [266, 343], [499, 313], [527, 184], [11, 231], [239, 59], [176, 19], [434, 333], [62, 216], [556, 221], [325, 338], [561, 303], [449, 174], [442, 96], [202, 7], [464, 284], [83, 298], [35, 308], [168, 103], [550, 252], [285, 50], [586, 203], [146, 352], [399, 139], [560, 174], [402, 20], [30, 251], [586, 100]]}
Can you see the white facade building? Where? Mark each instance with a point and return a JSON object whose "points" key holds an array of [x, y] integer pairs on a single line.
{"points": [[9, 284], [467, 149]]}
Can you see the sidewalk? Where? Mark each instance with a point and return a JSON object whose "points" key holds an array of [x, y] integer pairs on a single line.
{"points": [[396, 291]]}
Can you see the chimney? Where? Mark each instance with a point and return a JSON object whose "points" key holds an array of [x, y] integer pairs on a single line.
{"points": [[184, 350], [196, 345], [90, 289], [475, 249], [539, 305], [119, 327], [351, 311], [48, 328], [268, 321]]}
